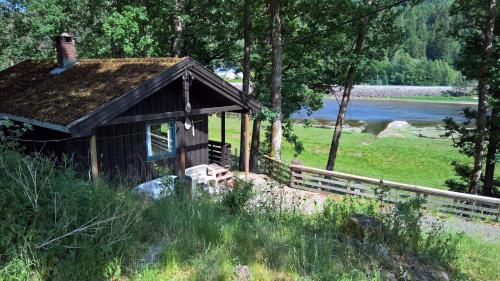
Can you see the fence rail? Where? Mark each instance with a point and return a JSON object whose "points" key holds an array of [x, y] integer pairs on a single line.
{"points": [[448, 202]]}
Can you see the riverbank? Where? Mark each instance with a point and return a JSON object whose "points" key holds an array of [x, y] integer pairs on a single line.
{"points": [[466, 100], [392, 91], [405, 155]]}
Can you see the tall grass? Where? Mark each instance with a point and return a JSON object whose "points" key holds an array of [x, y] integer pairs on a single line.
{"points": [[56, 226]]}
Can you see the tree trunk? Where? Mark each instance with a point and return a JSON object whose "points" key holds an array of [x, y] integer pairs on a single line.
{"points": [[246, 73], [351, 75], [276, 80], [475, 181], [493, 143], [178, 28], [254, 149]]}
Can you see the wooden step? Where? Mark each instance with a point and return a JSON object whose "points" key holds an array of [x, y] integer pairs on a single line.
{"points": [[226, 176]]}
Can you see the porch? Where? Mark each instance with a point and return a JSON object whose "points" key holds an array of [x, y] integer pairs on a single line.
{"points": [[220, 151]]}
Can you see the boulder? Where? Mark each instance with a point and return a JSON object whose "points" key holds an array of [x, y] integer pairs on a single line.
{"points": [[440, 275], [359, 226], [242, 273]]}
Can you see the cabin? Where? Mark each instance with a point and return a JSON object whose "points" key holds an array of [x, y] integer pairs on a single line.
{"points": [[121, 115]]}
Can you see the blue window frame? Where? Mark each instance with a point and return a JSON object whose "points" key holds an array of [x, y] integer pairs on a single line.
{"points": [[160, 140]]}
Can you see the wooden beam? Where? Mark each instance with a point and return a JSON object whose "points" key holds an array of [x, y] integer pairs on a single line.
{"points": [[220, 85], [93, 157], [172, 114], [247, 144], [223, 128]]}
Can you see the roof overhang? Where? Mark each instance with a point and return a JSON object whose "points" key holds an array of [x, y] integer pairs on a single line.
{"points": [[34, 122]]}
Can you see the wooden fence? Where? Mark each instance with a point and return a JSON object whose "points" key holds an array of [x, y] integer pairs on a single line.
{"points": [[448, 202]]}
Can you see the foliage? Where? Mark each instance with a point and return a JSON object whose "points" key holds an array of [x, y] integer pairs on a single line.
{"points": [[424, 53], [130, 33], [237, 198], [463, 135], [402, 69]]}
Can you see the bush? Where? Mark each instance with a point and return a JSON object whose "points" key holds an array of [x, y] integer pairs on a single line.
{"points": [[407, 236], [237, 198]]}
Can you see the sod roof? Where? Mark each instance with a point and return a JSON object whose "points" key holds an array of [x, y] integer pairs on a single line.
{"points": [[29, 90]]}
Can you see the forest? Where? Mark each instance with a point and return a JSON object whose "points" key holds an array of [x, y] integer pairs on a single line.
{"points": [[425, 52]]}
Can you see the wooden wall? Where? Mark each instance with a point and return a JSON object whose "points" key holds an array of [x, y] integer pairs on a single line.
{"points": [[56, 144], [122, 148], [170, 99]]}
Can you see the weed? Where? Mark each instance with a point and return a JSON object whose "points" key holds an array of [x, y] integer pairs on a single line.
{"points": [[237, 198]]}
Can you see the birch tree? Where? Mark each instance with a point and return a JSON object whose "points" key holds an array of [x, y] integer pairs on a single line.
{"points": [[276, 80]]}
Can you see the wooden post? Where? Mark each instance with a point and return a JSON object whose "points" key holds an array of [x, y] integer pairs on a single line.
{"points": [[93, 157], [223, 128], [182, 160], [247, 144]]}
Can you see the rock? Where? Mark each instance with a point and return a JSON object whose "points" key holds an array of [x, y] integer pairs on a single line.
{"points": [[385, 257], [398, 125], [390, 276], [242, 272], [151, 256], [395, 128], [231, 183], [359, 226], [440, 275], [422, 274]]}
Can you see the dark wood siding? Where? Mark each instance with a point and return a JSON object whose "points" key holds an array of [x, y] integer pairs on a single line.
{"points": [[58, 144], [170, 99], [122, 148]]}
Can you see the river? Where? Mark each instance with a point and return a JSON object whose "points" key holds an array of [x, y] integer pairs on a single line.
{"points": [[378, 113]]}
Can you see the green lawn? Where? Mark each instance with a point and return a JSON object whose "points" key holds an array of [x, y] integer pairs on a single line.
{"points": [[408, 159]]}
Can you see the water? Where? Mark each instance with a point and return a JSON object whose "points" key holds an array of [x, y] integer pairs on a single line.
{"points": [[378, 113], [389, 110]]}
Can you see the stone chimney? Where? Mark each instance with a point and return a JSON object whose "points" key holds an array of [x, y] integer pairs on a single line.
{"points": [[65, 50]]}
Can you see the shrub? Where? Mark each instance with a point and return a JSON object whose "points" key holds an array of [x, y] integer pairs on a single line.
{"points": [[407, 236], [237, 198]]}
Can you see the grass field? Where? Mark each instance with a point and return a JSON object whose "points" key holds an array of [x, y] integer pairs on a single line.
{"points": [[407, 159]]}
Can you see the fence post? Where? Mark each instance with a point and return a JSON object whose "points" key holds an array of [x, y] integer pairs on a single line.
{"points": [[295, 162]]}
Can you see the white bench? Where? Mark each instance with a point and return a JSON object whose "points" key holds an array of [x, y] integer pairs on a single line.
{"points": [[199, 174]]}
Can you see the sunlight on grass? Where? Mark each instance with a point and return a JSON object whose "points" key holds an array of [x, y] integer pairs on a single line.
{"points": [[480, 259], [408, 159]]}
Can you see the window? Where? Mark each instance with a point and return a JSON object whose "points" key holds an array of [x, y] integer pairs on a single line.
{"points": [[160, 140]]}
